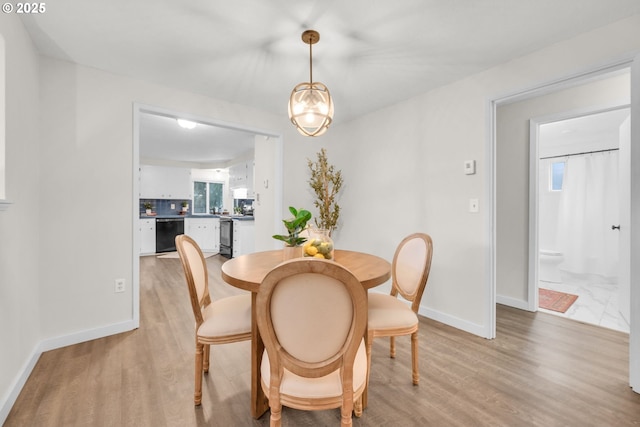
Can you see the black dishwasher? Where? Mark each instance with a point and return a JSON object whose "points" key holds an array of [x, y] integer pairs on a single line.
{"points": [[226, 237], [166, 231]]}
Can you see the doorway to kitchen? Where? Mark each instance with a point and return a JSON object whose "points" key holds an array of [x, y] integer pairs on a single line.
{"points": [[266, 151]]}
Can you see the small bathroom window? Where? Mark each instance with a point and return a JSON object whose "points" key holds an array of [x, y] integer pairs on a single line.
{"points": [[557, 176]]}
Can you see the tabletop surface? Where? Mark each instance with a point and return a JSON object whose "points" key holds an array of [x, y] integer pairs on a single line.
{"points": [[247, 271]]}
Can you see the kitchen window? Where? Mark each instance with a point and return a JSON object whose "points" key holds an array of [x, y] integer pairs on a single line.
{"points": [[207, 196]]}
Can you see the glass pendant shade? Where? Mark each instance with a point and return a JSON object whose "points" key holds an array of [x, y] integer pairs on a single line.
{"points": [[310, 104], [311, 108]]}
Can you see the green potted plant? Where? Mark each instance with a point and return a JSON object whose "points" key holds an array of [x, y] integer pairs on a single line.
{"points": [[185, 206], [294, 226], [147, 207]]}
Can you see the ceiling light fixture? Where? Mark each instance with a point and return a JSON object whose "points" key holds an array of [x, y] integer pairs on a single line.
{"points": [[310, 104], [186, 124]]}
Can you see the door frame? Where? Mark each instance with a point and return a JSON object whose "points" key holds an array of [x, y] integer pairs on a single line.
{"points": [[534, 190], [139, 108], [632, 61]]}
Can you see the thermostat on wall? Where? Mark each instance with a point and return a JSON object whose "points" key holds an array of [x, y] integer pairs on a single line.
{"points": [[469, 167]]}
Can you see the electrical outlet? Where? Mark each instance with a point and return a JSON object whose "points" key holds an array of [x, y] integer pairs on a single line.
{"points": [[119, 285], [173, 206], [473, 205]]}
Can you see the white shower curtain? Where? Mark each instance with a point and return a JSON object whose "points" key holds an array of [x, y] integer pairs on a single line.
{"points": [[588, 209]]}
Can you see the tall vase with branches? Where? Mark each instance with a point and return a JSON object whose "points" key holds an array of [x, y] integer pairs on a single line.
{"points": [[326, 183]]}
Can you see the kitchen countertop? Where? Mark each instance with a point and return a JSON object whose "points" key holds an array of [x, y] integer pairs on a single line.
{"points": [[238, 217]]}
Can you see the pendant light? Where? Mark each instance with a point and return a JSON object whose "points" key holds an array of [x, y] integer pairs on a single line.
{"points": [[310, 104]]}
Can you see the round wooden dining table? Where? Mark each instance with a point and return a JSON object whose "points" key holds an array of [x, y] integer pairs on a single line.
{"points": [[247, 272]]}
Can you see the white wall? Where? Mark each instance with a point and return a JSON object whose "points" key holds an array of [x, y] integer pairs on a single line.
{"points": [[2, 122], [20, 275], [512, 168], [548, 207], [267, 223]]}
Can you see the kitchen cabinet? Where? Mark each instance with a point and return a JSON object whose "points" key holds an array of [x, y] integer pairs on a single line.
{"points": [[238, 176], [205, 231], [243, 237], [147, 236], [164, 182], [241, 175]]}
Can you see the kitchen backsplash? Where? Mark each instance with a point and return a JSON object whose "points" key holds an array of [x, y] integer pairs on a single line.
{"points": [[163, 206]]}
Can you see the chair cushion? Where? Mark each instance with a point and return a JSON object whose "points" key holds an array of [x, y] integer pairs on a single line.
{"points": [[387, 312], [322, 387], [409, 266], [226, 316], [325, 304]]}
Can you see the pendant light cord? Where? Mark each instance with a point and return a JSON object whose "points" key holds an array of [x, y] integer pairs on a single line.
{"points": [[310, 62]]}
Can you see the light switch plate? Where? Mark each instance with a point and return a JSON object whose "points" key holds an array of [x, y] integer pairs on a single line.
{"points": [[469, 167]]}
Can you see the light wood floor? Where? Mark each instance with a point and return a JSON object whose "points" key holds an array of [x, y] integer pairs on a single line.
{"points": [[541, 370]]}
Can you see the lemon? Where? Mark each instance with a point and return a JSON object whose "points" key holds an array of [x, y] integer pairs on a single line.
{"points": [[311, 251], [318, 256]]}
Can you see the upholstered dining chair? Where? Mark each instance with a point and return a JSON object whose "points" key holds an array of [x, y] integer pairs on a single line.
{"points": [[391, 317], [222, 321], [312, 315]]}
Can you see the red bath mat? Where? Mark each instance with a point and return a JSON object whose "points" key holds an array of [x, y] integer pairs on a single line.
{"points": [[554, 300]]}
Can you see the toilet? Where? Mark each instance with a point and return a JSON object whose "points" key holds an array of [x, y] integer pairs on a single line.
{"points": [[548, 266]]}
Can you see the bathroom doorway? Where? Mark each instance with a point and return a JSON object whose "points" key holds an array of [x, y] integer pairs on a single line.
{"points": [[581, 198]]}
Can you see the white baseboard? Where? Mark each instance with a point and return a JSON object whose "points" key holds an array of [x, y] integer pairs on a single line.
{"points": [[87, 335], [455, 322], [51, 344], [449, 320], [512, 302], [21, 379]]}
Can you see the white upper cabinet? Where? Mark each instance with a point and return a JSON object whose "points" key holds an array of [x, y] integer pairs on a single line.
{"points": [[238, 176], [164, 182], [241, 176]]}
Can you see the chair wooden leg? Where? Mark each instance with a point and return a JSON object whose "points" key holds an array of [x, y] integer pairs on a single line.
{"points": [[414, 358], [392, 347], [197, 395], [357, 407], [276, 415], [368, 348], [346, 410], [205, 362]]}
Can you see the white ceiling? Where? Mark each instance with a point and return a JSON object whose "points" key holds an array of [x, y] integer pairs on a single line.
{"points": [[162, 139], [371, 54], [596, 131]]}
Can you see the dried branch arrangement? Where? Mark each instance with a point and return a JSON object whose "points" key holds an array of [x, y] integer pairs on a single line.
{"points": [[326, 183]]}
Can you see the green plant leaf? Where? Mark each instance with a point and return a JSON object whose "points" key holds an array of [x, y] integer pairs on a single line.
{"points": [[294, 226]]}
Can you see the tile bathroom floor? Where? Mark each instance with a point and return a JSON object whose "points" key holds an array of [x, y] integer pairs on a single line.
{"points": [[597, 301]]}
